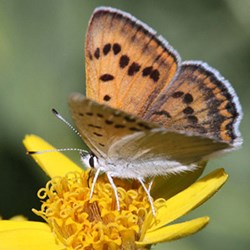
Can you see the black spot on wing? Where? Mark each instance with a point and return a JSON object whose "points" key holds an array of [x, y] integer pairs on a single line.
{"points": [[106, 98], [97, 53], [129, 118], [97, 134], [143, 125], [109, 122], [147, 71], [155, 75], [99, 115], [106, 48], [162, 112], [124, 61], [178, 94], [133, 68], [116, 48], [188, 98], [106, 77], [188, 110]]}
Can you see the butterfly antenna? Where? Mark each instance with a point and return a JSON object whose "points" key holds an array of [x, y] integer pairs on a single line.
{"points": [[82, 152], [60, 117]]}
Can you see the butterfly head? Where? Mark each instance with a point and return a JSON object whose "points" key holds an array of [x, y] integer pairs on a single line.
{"points": [[89, 160]]}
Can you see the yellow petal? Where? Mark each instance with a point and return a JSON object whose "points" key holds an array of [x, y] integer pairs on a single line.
{"points": [[18, 218], [174, 232], [168, 186], [23, 235], [53, 164], [189, 199]]}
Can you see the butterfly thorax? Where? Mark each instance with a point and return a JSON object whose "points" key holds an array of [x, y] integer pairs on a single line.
{"points": [[132, 169]]}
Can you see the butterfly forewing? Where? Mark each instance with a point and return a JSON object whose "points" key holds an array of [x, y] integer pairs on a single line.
{"points": [[101, 126], [127, 66]]}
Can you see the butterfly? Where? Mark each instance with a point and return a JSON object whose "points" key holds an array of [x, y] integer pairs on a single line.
{"points": [[145, 112]]}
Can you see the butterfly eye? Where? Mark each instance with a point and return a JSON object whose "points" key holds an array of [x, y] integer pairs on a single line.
{"points": [[87, 159], [92, 161]]}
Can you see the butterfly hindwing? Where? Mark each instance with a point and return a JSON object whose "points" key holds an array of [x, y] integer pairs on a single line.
{"points": [[159, 144], [127, 65], [199, 102]]}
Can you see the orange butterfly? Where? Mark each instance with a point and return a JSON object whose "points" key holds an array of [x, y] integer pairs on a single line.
{"points": [[147, 113]]}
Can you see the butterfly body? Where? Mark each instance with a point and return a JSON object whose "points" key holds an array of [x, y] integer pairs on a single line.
{"points": [[146, 113]]}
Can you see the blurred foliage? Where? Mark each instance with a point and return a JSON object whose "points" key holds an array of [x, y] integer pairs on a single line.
{"points": [[42, 62]]}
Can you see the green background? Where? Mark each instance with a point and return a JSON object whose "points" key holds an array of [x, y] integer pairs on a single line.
{"points": [[42, 62]]}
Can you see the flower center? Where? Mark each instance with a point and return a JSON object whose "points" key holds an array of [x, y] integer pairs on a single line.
{"points": [[80, 223]]}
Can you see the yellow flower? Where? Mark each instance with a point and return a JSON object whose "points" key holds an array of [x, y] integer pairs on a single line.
{"points": [[72, 221]]}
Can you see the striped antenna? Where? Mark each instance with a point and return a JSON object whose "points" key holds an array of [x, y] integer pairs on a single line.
{"points": [[82, 152], [60, 117]]}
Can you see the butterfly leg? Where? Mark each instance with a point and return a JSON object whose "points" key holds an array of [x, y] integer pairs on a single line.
{"points": [[94, 182], [150, 185], [148, 194], [115, 190]]}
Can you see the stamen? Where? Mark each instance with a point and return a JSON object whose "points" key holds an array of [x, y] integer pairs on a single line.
{"points": [[81, 223]]}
